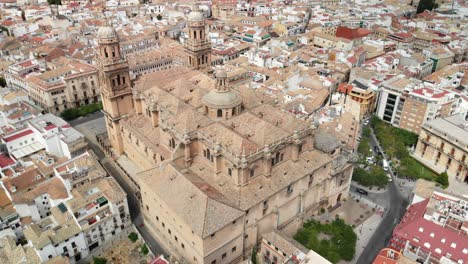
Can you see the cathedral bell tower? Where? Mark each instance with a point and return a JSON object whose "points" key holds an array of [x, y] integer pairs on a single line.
{"points": [[197, 46], [114, 79]]}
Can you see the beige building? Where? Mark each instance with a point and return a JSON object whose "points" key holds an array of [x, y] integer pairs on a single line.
{"points": [[70, 84], [220, 167], [323, 40], [442, 145]]}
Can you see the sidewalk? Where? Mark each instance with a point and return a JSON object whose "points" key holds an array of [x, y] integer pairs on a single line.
{"points": [[364, 232], [373, 190]]}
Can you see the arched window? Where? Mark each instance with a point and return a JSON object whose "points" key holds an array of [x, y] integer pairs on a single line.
{"points": [[220, 113]]}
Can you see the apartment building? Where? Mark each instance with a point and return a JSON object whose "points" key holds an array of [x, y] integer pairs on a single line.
{"points": [[442, 145], [47, 132], [433, 230], [441, 55], [403, 40], [322, 40], [408, 103], [56, 86], [360, 94], [99, 205]]}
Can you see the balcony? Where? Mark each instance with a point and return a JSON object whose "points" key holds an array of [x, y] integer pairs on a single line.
{"points": [[92, 208], [101, 215]]}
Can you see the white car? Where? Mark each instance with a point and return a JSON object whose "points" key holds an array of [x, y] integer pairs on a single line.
{"points": [[389, 178], [366, 122]]}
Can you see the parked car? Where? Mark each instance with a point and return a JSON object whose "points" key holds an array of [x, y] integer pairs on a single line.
{"points": [[361, 191], [389, 178], [366, 122]]}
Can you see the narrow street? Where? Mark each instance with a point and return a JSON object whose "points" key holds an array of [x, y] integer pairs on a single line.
{"points": [[396, 205]]}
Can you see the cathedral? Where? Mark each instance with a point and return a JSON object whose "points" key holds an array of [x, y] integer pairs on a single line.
{"points": [[221, 164]]}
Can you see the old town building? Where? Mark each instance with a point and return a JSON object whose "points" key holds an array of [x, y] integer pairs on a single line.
{"points": [[442, 145]]}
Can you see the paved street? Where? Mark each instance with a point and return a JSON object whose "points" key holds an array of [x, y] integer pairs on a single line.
{"points": [[82, 120], [395, 210]]}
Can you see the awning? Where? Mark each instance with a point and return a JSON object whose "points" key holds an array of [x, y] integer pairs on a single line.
{"points": [[27, 150]]}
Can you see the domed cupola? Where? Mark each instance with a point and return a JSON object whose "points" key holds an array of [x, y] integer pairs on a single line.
{"points": [[222, 101], [107, 34]]}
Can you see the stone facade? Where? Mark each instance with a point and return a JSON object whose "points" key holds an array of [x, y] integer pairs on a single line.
{"points": [[442, 144], [219, 166]]}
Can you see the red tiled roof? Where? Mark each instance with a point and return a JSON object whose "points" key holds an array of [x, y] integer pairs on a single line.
{"points": [[49, 127], [38, 39], [19, 135], [345, 88], [27, 63], [8, 23], [428, 92], [159, 260], [351, 33], [5, 161], [414, 211], [432, 235], [403, 35], [385, 256], [429, 235]]}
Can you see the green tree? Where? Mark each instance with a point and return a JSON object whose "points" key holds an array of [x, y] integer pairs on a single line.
{"points": [[425, 5], [443, 179], [253, 258], [339, 246], [364, 147], [2, 82], [159, 17], [99, 260], [133, 237], [70, 114], [144, 249], [56, 3]]}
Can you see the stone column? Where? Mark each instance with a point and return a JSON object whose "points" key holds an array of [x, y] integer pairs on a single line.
{"points": [[138, 106], [188, 157], [277, 217], [155, 116], [267, 159], [296, 144], [301, 202], [217, 158]]}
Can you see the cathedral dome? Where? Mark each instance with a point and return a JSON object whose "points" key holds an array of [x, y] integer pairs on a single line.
{"points": [[217, 99], [325, 142], [195, 16], [106, 33], [221, 74]]}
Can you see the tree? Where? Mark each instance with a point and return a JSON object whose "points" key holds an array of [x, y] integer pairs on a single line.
{"points": [[133, 237], [2, 82], [253, 258], [443, 179], [425, 5], [56, 3], [159, 17], [144, 249], [99, 260]]}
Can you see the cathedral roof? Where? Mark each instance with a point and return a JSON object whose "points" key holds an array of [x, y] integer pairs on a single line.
{"points": [[217, 99], [195, 16], [106, 33], [326, 142]]}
